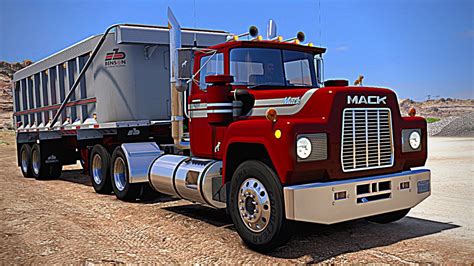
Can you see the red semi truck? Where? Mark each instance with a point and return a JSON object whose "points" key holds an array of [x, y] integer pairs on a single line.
{"points": [[249, 126]]}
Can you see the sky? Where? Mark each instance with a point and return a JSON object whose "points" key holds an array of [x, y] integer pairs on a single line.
{"points": [[415, 47]]}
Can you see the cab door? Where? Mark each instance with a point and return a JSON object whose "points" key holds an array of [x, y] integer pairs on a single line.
{"points": [[202, 134]]}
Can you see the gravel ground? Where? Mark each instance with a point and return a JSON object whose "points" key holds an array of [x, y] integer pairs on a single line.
{"points": [[460, 127], [64, 221], [436, 127]]}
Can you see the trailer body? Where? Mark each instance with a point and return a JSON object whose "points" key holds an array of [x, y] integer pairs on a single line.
{"points": [[128, 80]]}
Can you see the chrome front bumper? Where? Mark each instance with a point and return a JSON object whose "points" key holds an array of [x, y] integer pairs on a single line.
{"points": [[338, 201]]}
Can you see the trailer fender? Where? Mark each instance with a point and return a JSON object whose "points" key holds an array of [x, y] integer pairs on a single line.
{"points": [[140, 157]]}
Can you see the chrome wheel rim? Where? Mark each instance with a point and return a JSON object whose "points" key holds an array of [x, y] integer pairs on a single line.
{"points": [[97, 169], [120, 178], [35, 161], [24, 161], [254, 205]]}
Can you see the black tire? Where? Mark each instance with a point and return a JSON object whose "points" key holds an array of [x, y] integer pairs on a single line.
{"points": [[120, 181], [388, 217], [25, 160], [99, 170], [276, 230], [39, 169], [148, 193]]}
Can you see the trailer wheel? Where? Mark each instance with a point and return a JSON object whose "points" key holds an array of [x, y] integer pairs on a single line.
{"points": [[25, 160], [257, 208], [123, 189], [386, 218], [99, 170], [41, 170]]}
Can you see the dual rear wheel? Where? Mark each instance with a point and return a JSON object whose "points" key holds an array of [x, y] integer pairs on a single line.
{"points": [[33, 163], [110, 173]]}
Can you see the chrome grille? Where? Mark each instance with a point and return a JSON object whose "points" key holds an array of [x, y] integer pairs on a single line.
{"points": [[367, 141]]}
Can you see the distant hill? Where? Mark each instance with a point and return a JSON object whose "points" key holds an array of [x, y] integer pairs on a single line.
{"points": [[439, 108], [6, 98]]}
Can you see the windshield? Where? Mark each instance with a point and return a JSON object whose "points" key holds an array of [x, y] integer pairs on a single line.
{"points": [[274, 67]]}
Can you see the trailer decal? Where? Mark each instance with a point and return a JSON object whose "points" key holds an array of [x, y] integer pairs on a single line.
{"points": [[115, 58]]}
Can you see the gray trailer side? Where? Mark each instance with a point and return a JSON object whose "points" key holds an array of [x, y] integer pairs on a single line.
{"points": [[124, 96], [129, 89]]}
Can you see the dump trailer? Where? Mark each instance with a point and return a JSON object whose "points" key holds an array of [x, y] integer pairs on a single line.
{"points": [[230, 121]]}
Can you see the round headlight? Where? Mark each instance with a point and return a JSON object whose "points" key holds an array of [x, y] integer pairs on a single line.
{"points": [[414, 140], [303, 148]]}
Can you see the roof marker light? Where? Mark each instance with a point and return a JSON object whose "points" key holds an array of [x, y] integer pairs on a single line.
{"points": [[300, 36]]}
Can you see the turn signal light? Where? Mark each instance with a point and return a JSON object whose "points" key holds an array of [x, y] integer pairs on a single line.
{"points": [[340, 195], [271, 115], [404, 185], [412, 112]]}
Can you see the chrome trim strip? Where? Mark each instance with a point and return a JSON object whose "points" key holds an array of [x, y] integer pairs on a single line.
{"points": [[219, 111], [260, 106], [219, 104]]}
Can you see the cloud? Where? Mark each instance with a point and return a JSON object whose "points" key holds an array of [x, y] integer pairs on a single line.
{"points": [[341, 48]]}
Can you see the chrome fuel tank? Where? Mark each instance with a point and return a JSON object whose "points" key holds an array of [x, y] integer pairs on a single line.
{"points": [[187, 178]]}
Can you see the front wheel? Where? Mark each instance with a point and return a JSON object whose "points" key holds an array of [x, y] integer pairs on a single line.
{"points": [[123, 189], [386, 218], [256, 206]]}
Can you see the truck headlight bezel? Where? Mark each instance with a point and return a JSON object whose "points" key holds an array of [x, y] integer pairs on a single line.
{"points": [[414, 139], [411, 140], [319, 147], [303, 153]]}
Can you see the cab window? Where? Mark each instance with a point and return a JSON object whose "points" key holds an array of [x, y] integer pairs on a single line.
{"points": [[210, 65]]}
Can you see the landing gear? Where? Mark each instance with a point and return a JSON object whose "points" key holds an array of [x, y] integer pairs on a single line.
{"points": [[256, 206]]}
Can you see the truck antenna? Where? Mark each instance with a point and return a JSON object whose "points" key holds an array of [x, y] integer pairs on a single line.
{"points": [[194, 22], [319, 18]]}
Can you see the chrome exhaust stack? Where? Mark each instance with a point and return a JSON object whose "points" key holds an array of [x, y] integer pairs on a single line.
{"points": [[177, 86]]}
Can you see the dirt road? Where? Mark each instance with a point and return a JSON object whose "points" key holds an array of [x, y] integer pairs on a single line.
{"points": [[64, 221]]}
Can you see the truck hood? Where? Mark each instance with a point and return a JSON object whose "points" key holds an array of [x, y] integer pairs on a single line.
{"points": [[321, 103]]}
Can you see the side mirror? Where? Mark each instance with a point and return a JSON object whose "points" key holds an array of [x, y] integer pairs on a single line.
{"points": [[185, 65], [319, 69]]}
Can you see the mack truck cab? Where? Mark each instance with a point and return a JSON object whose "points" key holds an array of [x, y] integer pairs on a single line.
{"points": [[252, 128], [293, 149]]}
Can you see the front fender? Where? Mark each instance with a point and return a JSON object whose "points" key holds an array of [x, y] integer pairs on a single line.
{"points": [[259, 131]]}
